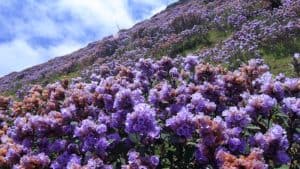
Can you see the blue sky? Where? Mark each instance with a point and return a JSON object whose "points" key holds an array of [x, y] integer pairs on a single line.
{"points": [[34, 31]]}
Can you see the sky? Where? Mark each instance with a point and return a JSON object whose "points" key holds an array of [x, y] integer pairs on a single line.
{"points": [[34, 31]]}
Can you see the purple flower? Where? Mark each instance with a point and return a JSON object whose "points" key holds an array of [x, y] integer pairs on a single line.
{"points": [[68, 112], [212, 132], [35, 161], [292, 84], [58, 146], [236, 145], [174, 72], [135, 160], [182, 124], [73, 161], [271, 87], [118, 118], [101, 128], [253, 160], [291, 106], [202, 154], [154, 160], [88, 143], [235, 117], [147, 67], [142, 121], [133, 157], [201, 104], [101, 145], [87, 126], [126, 99], [13, 154], [282, 157], [260, 105], [274, 143], [190, 62]]}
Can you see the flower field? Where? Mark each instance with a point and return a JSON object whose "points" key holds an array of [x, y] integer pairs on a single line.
{"points": [[219, 107], [171, 112]]}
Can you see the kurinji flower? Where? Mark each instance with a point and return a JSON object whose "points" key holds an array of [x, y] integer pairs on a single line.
{"points": [[174, 72], [113, 139], [165, 92], [135, 160], [35, 161], [165, 64], [94, 163], [235, 117], [161, 94], [190, 62], [142, 121], [236, 20], [292, 84], [68, 112], [201, 104], [182, 124], [202, 154], [14, 153], [236, 145], [126, 99], [86, 128], [270, 86], [96, 119], [253, 160], [88, 143], [154, 160], [101, 145], [260, 105], [212, 134], [147, 67], [58, 146], [73, 161], [205, 72], [274, 143], [291, 106], [118, 118], [101, 128]]}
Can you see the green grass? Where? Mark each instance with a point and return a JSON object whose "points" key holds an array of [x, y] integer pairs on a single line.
{"points": [[213, 37], [47, 80], [73, 72], [57, 77], [12, 92], [279, 55], [193, 44]]}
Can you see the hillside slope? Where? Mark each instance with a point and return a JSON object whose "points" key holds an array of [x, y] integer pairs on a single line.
{"points": [[211, 29]]}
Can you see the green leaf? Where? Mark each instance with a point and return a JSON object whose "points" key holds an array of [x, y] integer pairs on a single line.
{"points": [[191, 143], [284, 167], [134, 138], [252, 127], [281, 115]]}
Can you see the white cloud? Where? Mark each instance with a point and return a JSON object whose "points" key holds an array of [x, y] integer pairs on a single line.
{"points": [[62, 48], [63, 25], [18, 54], [12, 56]]}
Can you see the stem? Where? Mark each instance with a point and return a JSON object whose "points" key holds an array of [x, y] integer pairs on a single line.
{"points": [[179, 154], [269, 120], [290, 134], [261, 126]]}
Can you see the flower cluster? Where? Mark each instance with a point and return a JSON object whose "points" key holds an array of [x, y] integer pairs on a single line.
{"points": [[142, 121], [274, 143], [179, 112], [219, 119]]}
